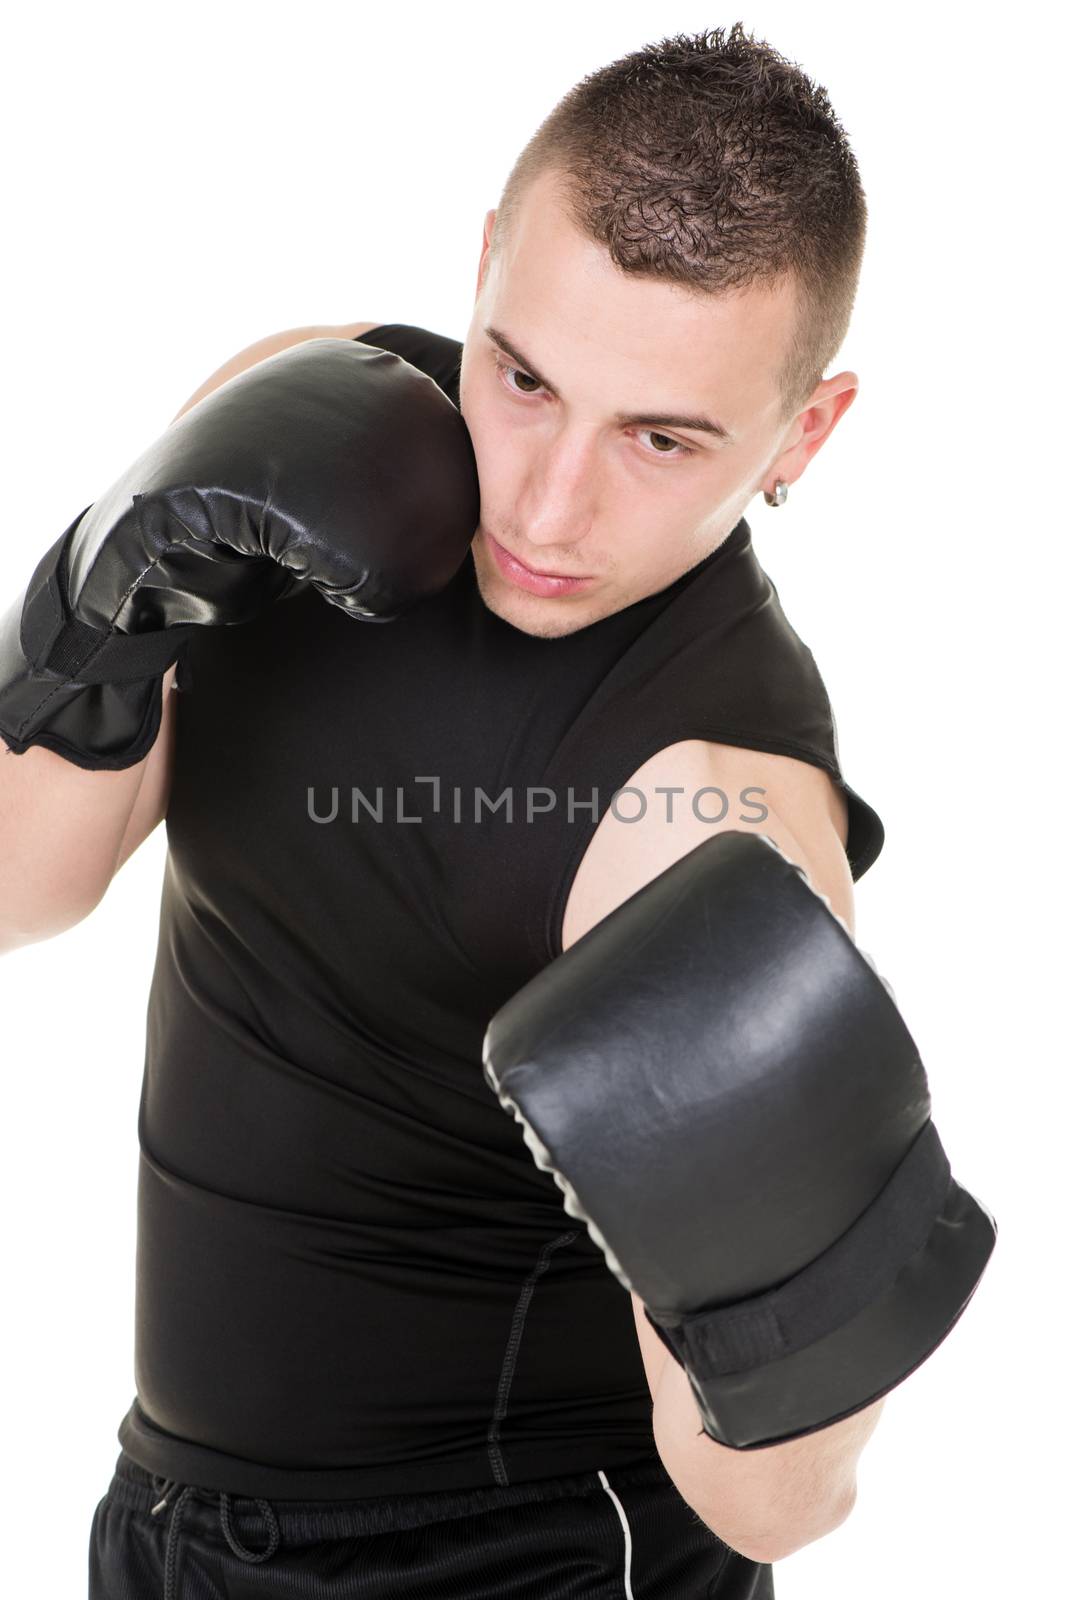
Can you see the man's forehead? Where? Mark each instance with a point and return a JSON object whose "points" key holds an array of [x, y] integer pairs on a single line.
{"points": [[544, 237], [557, 297]]}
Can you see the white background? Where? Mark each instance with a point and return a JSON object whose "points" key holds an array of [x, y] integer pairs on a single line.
{"points": [[179, 182]]}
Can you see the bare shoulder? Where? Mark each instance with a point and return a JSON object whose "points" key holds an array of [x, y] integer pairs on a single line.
{"points": [[693, 789], [353, 330], [270, 345]]}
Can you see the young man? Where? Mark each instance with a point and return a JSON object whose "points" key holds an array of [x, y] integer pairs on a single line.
{"points": [[371, 1342]]}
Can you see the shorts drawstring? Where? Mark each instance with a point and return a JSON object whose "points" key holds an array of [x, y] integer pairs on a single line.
{"points": [[170, 1559]]}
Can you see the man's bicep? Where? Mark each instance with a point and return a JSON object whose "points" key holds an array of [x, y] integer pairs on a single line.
{"points": [[674, 805]]}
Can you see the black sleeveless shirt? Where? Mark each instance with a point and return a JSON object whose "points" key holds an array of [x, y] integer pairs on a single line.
{"points": [[352, 1279]]}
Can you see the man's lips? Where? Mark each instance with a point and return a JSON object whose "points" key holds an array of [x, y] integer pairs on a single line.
{"points": [[537, 571], [531, 578]]}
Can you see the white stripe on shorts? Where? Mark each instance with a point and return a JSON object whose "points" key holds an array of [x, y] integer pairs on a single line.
{"points": [[627, 1545]]}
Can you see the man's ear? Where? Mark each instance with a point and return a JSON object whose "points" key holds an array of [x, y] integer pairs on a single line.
{"points": [[487, 234], [813, 425]]}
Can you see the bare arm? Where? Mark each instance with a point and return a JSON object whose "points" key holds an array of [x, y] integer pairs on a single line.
{"points": [[770, 1502], [270, 346], [65, 831], [62, 831]]}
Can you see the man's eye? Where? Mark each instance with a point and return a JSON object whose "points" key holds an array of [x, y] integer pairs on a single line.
{"points": [[503, 367], [678, 448]]}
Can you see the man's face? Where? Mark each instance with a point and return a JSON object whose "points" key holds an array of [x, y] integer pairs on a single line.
{"points": [[567, 486]]}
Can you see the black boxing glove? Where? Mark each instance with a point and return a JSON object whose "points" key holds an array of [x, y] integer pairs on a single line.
{"points": [[332, 463], [723, 1087]]}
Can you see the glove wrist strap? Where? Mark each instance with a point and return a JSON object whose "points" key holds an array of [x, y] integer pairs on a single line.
{"points": [[90, 694], [854, 1271]]}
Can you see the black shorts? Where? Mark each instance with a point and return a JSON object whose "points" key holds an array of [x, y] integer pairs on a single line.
{"points": [[624, 1534]]}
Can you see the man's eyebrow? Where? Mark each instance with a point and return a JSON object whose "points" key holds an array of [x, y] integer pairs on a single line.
{"points": [[626, 419]]}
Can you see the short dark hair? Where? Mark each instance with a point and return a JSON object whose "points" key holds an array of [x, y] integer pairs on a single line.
{"points": [[711, 161]]}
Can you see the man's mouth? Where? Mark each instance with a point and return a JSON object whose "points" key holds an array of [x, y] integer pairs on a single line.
{"points": [[548, 584]]}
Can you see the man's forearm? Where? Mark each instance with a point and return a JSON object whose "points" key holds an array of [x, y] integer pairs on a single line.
{"points": [[764, 1503], [60, 830]]}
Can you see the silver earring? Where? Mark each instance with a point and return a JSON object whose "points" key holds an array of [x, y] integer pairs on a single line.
{"points": [[779, 497]]}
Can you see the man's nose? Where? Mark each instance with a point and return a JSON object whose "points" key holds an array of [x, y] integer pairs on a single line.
{"points": [[556, 504]]}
